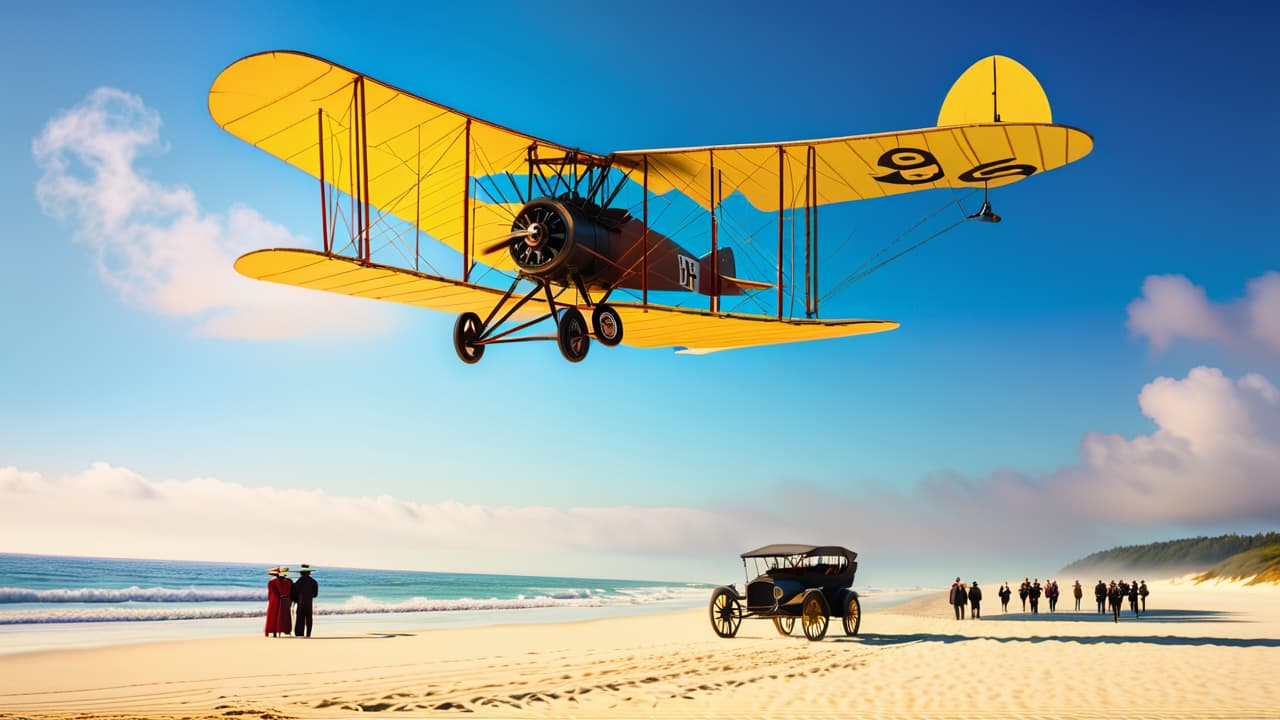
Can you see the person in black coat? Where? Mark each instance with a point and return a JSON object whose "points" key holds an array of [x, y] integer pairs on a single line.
{"points": [[1100, 594], [1005, 594], [1023, 591], [1034, 594], [975, 602], [1133, 598], [959, 598], [304, 591]]}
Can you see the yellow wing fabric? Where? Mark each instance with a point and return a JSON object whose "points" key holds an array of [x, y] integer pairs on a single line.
{"points": [[864, 166], [419, 152], [349, 276], [651, 327], [995, 128], [699, 332]]}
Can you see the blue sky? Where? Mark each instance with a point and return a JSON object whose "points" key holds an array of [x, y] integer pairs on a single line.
{"points": [[1018, 341]]}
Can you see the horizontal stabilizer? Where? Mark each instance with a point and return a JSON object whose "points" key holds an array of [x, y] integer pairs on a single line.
{"points": [[744, 285]]}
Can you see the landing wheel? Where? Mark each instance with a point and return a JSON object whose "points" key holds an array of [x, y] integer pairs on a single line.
{"points": [[572, 336], [784, 626], [852, 616], [813, 616], [726, 613], [465, 333], [607, 324]]}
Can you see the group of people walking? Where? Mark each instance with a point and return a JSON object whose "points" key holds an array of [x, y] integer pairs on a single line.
{"points": [[283, 594], [1114, 595], [1029, 591], [971, 596]]}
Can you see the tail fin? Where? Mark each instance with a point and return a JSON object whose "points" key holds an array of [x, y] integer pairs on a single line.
{"points": [[726, 267], [995, 89]]}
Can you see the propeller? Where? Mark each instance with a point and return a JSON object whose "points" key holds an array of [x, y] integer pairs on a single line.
{"points": [[510, 239]]}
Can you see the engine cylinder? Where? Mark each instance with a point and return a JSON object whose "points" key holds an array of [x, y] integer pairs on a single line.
{"points": [[561, 240]]}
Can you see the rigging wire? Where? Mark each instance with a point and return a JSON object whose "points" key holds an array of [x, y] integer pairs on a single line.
{"points": [[866, 268]]}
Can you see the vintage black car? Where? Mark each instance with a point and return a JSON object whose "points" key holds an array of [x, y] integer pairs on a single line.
{"points": [[809, 582]]}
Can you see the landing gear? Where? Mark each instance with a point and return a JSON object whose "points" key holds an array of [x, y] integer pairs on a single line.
{"points": [[572, 333], [466, 331], [572, 336], [607, 324]]}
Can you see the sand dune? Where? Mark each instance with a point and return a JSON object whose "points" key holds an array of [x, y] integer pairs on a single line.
{"points": [[1202, 651]]}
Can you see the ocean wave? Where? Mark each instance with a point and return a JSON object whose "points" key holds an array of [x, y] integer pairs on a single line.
{"points": [[357, 605], [10, 595]]}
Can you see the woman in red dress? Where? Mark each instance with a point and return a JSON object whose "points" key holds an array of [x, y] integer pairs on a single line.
{"points": [[278, 604]]}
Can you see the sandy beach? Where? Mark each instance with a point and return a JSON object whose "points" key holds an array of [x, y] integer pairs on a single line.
{"points": [[1201, 651]]}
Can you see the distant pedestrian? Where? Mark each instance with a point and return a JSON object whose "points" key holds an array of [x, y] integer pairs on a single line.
{"points": [[304, 591], [1133, 598], [1100, 594], [975, 601], [959, 598], [1005, 594], [1024, 590], [1113, 596], [1051, 593], [1035, 593], [1143, 593], [278, 604], [1078, 592]]}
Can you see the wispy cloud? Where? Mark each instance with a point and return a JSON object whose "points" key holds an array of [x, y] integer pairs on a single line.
{"points": [[155, 245], [1172, 308]]}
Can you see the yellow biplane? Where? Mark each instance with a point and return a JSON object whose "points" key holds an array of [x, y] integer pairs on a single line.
{"points": [[395, 168]]}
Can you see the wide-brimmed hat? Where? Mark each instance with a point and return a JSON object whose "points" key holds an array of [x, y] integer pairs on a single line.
{"points": [[284, 572], [306, 568], [274, 571]]}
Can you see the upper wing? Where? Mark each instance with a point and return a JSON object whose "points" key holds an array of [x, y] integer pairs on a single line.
{"points": [[864, 166], [421, 154], [644, 326], [996, 128]]}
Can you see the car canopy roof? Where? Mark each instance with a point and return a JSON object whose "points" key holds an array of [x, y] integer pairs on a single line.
{"points": [[785, 550]]}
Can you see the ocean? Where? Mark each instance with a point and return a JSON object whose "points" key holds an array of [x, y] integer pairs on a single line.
{"points": [[49, 602]]}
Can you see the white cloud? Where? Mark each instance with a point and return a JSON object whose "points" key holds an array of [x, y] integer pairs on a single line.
{"points": [[1210, 463], [1172, 308], [155, 245], [115, 511]]}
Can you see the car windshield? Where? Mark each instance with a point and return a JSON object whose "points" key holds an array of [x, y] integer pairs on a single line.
{"points": [[798, 564]]}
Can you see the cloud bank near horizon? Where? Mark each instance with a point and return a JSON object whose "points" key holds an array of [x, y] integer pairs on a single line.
{"points": [[1172, 308], [1210, 463], [154, 244]]}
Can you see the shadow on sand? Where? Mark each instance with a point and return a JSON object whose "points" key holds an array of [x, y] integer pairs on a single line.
{"points": [[369, 636], [1153, 615], [888, 640]]}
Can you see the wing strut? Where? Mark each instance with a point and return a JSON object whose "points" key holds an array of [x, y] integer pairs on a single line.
{"points": [[364, 175], [644, 242], [715, 207], [324, 204], [781, 207], [466, 206]]}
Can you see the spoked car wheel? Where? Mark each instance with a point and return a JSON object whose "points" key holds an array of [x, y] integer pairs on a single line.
{"points": [[466, 331], [572, 336], [784, 626], [813, 615], [726, 613], [852, 616], [608, 325]]}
